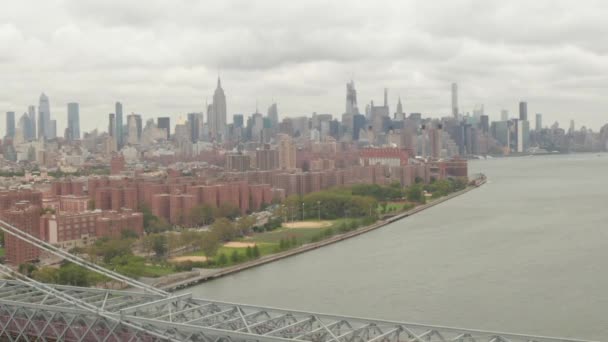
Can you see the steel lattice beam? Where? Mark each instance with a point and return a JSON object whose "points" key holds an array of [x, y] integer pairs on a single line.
{"points": [[191, 319]]}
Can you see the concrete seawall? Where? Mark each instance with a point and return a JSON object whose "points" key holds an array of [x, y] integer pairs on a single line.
{"points": [[310, 246]]}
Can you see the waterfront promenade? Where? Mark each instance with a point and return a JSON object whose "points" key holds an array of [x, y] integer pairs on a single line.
{"points": [[206, 275]]}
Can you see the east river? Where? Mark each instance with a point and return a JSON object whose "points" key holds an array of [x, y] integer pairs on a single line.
{"points": [[525, 253]]}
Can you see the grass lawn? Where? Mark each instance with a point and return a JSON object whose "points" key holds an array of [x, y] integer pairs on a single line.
{"points": [[2, 251], [264, 248], [157, 270], [302, 235]]}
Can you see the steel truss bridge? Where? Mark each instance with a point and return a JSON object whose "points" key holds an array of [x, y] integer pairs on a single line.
{"points": [[30, 310]]}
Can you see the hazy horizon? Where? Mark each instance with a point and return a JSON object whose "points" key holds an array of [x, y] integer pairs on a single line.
{"points": [[162, 58]]}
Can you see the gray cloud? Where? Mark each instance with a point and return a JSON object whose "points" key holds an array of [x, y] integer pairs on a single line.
{"points": [[163, 57]]}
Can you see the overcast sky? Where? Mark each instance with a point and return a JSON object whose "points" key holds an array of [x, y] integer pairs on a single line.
{"points": [[163, 57]]}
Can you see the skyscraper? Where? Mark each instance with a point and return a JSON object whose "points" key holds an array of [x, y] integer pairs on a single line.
{"points": [[74, 121], [119, 125], [217, 115], [287, 152], [273, 115], [10, 124], [44, 117], [351, 99], [238, 121], [504, 115], [455, 100], [112, 125], [523, 111], [539, 122], [193, 125], [31, 111], [132, 131], [165, 124], [399, 114]]}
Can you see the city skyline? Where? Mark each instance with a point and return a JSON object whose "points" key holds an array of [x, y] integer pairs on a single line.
{"points": [[416, 53]]}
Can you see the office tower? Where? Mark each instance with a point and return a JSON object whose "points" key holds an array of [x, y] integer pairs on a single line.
{"points": [[399, 114], [504, 115], [23, 128], [287, 152], [133, 128], [119, 125], [193, 125], [112, 125], [571, 129], [434, 133], [500, 132], [44, 117], [165, 124], [386, 98], [273, 115], [455, 100], [52, 134], [10, 124], [31, 112], [523, 111], [484, 123], [216, 117], [351, 99], [238, 121], [539, 122], [74, 121], [138, 124]]}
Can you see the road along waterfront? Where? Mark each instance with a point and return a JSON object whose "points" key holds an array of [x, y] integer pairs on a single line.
{"points": [[524, 253]]}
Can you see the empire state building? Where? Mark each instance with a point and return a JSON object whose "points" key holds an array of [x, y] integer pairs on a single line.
{"points": [[216, 117]]}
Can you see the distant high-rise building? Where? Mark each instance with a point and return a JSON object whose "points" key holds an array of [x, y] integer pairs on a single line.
{"points": [[217, 115], [133, 129], [193, 125], [112, 125], [31, 112], [571, 129], [539, 122], [52, 134], [386, 97], [455, 100], [10, 124], [399, 114], [273, 115], [484, 123], [164, 123], [119, 125], [23, 129], [74, 121], [351, 99], [238, 121], [504, 115], [358, 124], [44, 117], [287, 152], [523, 111]]}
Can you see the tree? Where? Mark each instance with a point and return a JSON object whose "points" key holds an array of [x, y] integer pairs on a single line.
{"points": [[415, 194], [128, 234], [244, 225], [47, 275], [72, 274], [209, 244], [222, 259], [227, 210], [234, 257], [248, 252], [223, 229], [159, 245], [256, 252], [202, 215]]}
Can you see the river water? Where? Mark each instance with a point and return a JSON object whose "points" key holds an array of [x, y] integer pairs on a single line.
{"points": [[525, 253]]}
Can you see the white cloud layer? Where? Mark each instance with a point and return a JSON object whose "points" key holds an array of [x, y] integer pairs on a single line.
{"points": [[162, 57]]}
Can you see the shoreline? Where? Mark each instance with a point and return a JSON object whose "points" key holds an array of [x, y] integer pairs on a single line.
{"points": [[208, 276]]}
